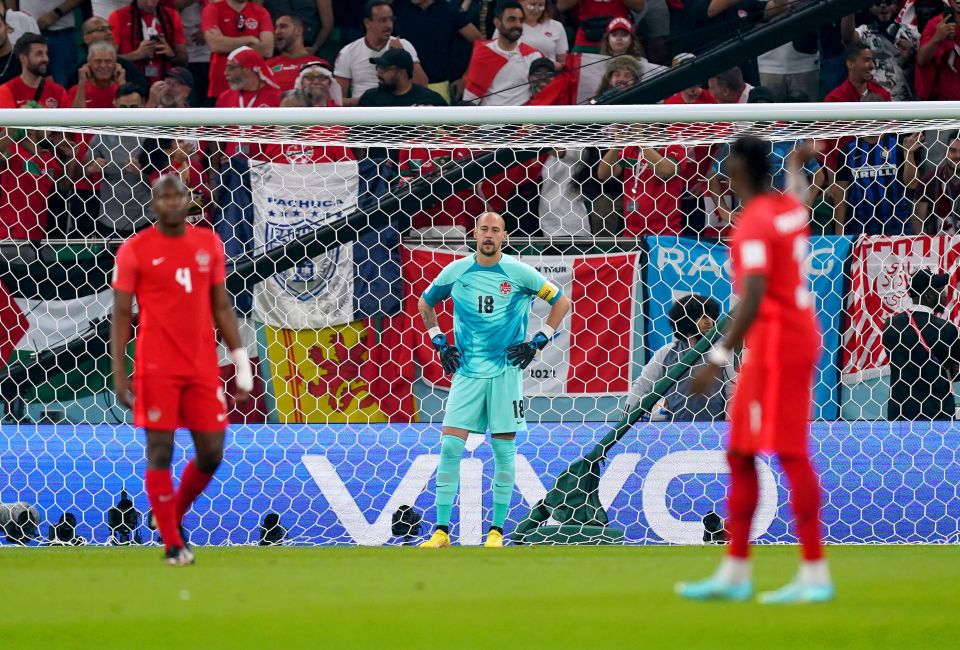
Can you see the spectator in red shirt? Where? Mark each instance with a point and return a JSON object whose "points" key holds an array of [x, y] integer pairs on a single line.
{"points": [[228, 25], [938, 77], [151, 36], [594, 16], [30, 171], [652, 187], [292, 52], [938, 196], [99, 78], [33, 85], [859, 83], [692, 95]]}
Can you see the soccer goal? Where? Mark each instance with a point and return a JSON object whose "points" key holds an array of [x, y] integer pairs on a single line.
{"points": [[334, 223]]}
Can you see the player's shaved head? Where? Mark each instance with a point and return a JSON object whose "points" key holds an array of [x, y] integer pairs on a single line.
{"points": [[170, 183], [492, 217], [170, 204], [491, 233]]}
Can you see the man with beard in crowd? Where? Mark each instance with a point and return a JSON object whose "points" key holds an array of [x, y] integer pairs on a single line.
{"points": [[291, 52], [396, 87], [33, 85], [498, 70]]}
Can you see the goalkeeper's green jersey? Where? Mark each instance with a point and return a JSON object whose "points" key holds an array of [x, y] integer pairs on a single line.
{"points": [[491, 308]]}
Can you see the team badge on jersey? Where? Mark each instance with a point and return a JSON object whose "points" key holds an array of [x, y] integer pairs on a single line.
{"points": [[252, 23], [154, 414], [505, 288], [203, 261]]}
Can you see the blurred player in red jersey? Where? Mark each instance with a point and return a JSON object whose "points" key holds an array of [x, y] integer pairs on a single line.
{"points": [[176, 272], [773, 398]]}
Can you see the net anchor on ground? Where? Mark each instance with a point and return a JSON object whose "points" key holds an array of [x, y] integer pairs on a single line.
{"points": [[574, 500]]}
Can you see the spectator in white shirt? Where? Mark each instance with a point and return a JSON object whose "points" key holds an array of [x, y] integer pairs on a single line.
{"points": [[498, 70], [542, 32], [353, 70]]}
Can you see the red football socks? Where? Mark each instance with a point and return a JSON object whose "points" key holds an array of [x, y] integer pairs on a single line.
{"points": [[192, 483], [741, 502], [805, 502], [159, 486]]}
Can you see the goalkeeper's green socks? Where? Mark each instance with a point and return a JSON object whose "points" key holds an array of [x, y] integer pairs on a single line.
{"points": [[504, 476], [448, 478]]}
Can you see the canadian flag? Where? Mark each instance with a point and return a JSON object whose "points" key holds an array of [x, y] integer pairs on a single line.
{"points": [[593, 349]]}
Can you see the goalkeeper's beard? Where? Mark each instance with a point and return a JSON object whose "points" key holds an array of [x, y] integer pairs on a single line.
{"points": [[489, 249]]}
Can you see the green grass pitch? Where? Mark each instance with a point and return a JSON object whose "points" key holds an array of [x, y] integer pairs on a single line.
{"points": [[543, 597]]}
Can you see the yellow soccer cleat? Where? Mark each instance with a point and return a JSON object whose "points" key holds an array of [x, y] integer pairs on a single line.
{"points": [[439, 539], [494, 539]]}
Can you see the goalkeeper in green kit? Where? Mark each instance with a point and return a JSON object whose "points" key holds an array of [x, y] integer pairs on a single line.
{"points": [[492, 294]]}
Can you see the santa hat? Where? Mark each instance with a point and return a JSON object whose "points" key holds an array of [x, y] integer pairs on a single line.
{"points": [[250, 59]]}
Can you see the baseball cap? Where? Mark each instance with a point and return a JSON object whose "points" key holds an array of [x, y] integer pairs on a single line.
{"points": [[180, 74], [394, 57], [541, 64], [620, 23], [923, 279], [761, 95]]}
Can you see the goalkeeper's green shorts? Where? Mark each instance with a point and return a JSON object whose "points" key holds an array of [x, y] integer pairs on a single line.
{"points": [[480, 403]]}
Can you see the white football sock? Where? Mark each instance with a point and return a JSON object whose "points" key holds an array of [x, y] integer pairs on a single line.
{"points": [[814, 573], [734, 570]]}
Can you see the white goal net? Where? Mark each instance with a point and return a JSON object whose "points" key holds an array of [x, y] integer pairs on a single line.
{"points": [[334, 222]]}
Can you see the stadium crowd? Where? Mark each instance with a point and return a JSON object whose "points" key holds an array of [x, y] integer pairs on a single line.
{"points": [[240, 53]]}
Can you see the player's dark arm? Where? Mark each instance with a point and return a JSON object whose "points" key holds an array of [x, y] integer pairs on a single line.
{"points": [[754, 286], [121, 328], [226, 322]]}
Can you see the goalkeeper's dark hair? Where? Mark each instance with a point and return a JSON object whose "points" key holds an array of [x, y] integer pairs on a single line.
{"points": [[755, 154], [687, 311]]}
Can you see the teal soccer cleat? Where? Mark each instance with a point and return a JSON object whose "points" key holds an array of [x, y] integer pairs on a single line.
{"points": [[715, 589], [798, 593]]}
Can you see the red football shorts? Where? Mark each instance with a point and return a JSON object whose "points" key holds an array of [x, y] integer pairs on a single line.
{"points": [[771, 408], [168, 403]]}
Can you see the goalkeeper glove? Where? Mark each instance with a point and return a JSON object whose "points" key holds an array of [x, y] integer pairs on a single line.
{"points": [[449, 354], [521, 354]]}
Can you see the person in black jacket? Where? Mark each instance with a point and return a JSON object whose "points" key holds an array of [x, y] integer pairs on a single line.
{"points": [[924, 353]]}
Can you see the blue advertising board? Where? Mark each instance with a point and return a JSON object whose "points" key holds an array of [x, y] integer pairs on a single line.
{"points": [[679, 266], [882, 482]]}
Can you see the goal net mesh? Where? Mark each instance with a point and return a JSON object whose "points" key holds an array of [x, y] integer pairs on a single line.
{"points": [[333, 232]]}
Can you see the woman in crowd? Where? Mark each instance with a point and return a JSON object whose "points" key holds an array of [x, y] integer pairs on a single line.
{"points": [[542, 32]]}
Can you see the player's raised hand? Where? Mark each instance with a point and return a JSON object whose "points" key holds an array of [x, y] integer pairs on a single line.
{"points": [[521, 354], [121, 386], [449, 354]]}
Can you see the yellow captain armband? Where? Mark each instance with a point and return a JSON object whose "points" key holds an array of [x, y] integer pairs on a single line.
{"points": [[548, 291]]}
